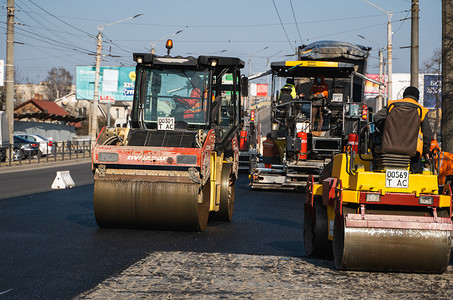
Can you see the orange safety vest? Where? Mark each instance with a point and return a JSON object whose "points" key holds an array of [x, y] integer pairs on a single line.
{"points": [[424, 112], [198, 106], [443, 162], [321, 88]]}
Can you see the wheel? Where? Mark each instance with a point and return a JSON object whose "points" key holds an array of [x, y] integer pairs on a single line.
{"points": [[203, 206], [338, 238], [227, 187], [18, 154], [316, 240], [2, 155], [132, 203]]}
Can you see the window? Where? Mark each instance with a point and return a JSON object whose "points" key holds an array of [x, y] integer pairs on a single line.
{"points": [[175, 93]]}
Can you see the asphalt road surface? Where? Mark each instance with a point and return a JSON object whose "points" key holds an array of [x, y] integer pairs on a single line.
{"points": [[36, 178], [52, 247]]}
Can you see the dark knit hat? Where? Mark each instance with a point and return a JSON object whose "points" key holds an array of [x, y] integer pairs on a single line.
{"points": [[411, 91]]}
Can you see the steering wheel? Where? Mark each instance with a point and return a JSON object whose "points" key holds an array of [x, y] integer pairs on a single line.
{"points": [[178, 103], [179, 109]]}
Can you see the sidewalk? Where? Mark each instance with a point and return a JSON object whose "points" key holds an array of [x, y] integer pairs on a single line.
{"points": [[43, 164]]}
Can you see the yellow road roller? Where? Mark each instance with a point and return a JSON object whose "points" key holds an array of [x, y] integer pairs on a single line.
{"points": [[176, 163], [372, 213]]}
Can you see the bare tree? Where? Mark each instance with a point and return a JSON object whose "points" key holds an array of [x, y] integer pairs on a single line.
{"points": [[59, 82], [433, 65], [17, 79]]}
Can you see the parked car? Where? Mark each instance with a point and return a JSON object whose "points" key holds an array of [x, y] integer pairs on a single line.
{"points": [[46, 146], [24, 148]]}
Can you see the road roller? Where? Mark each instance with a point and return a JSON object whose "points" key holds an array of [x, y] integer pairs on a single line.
{"points": [[176, 163], [372, 212]]}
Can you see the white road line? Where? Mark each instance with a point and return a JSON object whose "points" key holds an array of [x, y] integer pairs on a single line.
{"points": [[7, 291]]}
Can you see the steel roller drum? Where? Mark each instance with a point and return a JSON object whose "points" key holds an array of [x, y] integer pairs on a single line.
{"points": [[146, 204], [384, 249]]}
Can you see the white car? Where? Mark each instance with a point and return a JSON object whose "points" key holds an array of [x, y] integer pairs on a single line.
{"points": [[46, 146]]}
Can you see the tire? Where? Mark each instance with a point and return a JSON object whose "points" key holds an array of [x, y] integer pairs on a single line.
{"points": [[316, 242], [227, 188], [19, 154], [3, 155]]}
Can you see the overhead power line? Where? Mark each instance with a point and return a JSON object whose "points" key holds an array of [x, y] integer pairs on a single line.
{"points": [[295, 21], [64, 22], [284, 30]]}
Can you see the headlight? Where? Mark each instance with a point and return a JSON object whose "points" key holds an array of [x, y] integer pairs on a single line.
{"points": [[373, 197], [426, 200]]}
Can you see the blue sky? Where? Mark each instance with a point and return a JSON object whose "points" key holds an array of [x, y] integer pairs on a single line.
{"points": [[61, 33]]}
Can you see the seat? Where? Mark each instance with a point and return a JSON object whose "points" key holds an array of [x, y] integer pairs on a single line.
{"points": [[399, 137], [401, 129]]}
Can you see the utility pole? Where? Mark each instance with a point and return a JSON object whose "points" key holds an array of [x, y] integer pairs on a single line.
{"points": [[414, 42], [389, 48], [389, 58], [447, 76], [9, 82], [380, 103], [94, 110]]}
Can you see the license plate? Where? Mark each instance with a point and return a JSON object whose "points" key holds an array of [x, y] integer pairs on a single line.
{"points": [[397, 179], [165, 123], [336, 97]]}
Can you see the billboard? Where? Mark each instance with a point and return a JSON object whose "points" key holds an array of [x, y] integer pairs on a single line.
{"points": [[372, 89], [258, 90], [432, 90], [115, 83]]}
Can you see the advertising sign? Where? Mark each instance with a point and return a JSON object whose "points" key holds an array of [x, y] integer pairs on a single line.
{"points": [[116, 83], [106, 99], [258, 90], [373, 88], [432, 90]]}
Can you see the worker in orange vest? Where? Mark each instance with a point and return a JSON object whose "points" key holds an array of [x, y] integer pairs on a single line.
{"points": [[194, 103], [443, 162], [414, 133], [270, 151]]}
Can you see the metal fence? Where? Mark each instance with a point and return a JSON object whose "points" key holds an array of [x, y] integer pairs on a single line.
{"points": [[35, 153]]}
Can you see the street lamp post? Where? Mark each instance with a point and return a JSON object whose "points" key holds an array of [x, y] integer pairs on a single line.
{"points": [[380, 102], [153, 44], [269, 76], [250, 59], [389, 49], [94, 118], [250, 72]]}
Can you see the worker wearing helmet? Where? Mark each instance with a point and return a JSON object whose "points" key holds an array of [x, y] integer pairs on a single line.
{"points": [[405, 128], [318, 95], [288, 89]]}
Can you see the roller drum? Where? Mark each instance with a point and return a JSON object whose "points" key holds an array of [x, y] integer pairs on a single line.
{"points": [[383, 249], [146, 204]]}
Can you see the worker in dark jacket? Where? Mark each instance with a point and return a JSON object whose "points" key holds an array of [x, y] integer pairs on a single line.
{"points": [[405, 128], [318, 95], [270, 151]]}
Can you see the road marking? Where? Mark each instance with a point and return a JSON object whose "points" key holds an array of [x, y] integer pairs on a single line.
{"points": [[7, 291]]}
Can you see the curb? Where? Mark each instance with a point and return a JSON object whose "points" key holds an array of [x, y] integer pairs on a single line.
{"points": [[43, 165]]}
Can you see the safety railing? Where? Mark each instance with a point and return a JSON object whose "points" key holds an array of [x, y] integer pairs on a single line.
{"points": [[33, 153]]}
